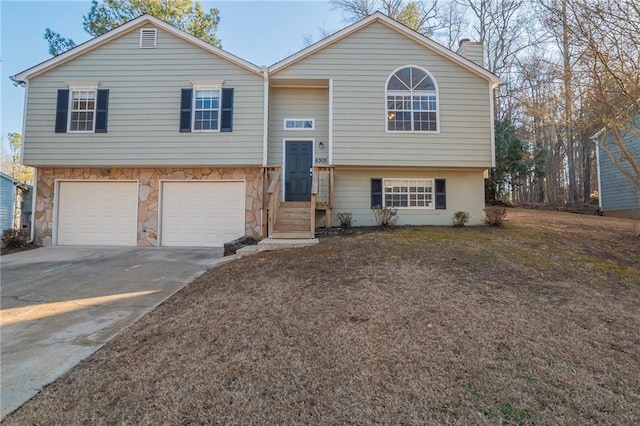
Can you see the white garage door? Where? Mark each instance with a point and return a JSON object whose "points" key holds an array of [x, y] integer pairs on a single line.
{"points": [[202, 214], [97, 213]]}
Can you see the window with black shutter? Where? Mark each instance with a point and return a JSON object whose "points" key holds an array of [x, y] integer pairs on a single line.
{"points": [[226, 122], [82, 108], [185, 110], [441, 194], [62, 111], [376, 193]]}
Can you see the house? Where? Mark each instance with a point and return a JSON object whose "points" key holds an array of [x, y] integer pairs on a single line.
{"points": [[148, 136], [617, 194], [15, 203]]}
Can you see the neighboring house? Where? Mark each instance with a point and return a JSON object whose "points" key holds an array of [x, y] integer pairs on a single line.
{"points": [[15, 203], [617, 195], [148, 136]]}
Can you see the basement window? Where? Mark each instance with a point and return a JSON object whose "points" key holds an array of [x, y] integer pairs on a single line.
{"points": [[148, 37]]}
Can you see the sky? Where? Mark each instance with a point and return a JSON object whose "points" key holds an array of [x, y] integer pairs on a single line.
{"points": [[262, 32]]}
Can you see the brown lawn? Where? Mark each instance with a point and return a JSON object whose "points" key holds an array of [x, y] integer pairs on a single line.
{"points": [[537, 322]]}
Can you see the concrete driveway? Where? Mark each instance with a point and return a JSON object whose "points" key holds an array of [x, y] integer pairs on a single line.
{"points": [[60, 304]]}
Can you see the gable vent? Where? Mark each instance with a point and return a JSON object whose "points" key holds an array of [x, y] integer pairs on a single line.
{"points": [[148, 38]]}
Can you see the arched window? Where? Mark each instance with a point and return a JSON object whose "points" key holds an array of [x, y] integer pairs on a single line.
{"points": [[412, 101]]}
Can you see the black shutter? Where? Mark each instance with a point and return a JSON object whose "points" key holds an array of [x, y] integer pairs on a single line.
{"points": [[226, 120], [185, 110], [376, 193], [62, 110], [102, 106], [441, 194]]}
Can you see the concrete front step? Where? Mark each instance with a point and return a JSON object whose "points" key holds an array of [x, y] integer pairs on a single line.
{"points": [[279, 244], [246, 251], [289, 234]]}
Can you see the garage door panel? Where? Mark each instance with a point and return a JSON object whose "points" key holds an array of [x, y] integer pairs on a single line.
{"points": [[205, 214], [97, 213]]}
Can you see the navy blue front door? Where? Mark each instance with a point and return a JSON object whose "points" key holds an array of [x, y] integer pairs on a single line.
{"points": [[298, 165]]}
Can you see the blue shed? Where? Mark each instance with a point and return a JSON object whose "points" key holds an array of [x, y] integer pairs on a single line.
{"points": [[7, 201], [618, 191]]}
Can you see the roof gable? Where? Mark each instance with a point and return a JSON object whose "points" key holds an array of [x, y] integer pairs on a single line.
{"points": [[105, 38], [396, 26]]}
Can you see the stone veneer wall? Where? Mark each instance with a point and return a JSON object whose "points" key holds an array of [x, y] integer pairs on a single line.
{"points": [[149, 182]]}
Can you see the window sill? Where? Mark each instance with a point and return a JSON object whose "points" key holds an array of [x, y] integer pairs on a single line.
{"points": [[205, 131], [412, 208], [406, 132]]}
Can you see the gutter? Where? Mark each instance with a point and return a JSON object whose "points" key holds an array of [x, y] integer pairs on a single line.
{"points": [[17, 82], [34, 205]]}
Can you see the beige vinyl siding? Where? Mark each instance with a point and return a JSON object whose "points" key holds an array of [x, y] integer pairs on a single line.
{"points": [[144, 104], [297, 102], [360, 65], [464, 191]]}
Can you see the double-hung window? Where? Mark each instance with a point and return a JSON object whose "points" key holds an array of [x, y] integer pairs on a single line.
{"points": [[414, 193], [82, 108], [412, 101], [206, 109]]}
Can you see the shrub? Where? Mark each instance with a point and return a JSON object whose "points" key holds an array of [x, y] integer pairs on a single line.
{"points": [[460, 219], [385, 216], [14, 238], [494, 216], [345, 220], [594, 197]]}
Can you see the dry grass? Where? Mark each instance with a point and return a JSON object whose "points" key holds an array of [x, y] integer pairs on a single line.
{"points": [[536, 322]]}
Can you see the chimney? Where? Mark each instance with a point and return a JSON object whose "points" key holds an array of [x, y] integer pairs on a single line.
{"points": [[472, 50]]}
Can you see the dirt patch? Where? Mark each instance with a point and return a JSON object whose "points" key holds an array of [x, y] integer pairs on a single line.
{"points": [[535, 322]]}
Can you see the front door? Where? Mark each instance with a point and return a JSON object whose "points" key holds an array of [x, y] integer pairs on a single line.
{"points": [[298, 166]]}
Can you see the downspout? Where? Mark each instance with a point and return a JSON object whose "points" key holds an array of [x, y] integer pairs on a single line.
{"points": [[330, 122], [265, 141], [492, 87], [34, 187], [34, 205], [265, 115], [598, 170]]}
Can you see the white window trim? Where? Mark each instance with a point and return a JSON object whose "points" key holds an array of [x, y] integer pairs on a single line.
{"points": [[206, 85], [433, 193], [78, 87], [155, 38], [297, 129], [386, 109]]}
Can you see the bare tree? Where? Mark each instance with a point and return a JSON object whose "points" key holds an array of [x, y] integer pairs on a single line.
{"points": [[608, 32], [419, 15], [453, 23]]}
